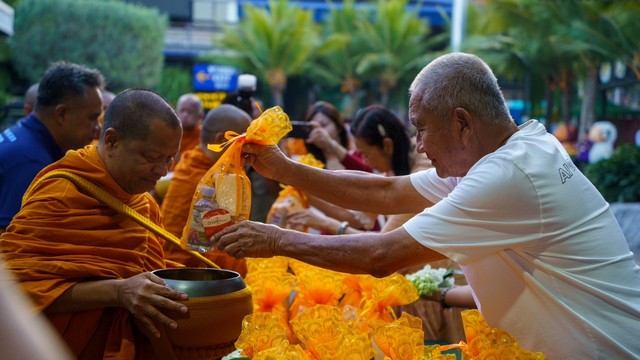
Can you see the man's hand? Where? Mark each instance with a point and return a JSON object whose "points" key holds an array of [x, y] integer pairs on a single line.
{"points": [[144, 295], [269, 161], [248, 239]]}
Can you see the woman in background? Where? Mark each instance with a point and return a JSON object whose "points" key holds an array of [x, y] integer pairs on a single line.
{"points": [[383, 142], [329, 140], [329, 143]]}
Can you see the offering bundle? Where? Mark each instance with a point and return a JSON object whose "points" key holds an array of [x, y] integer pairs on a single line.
{"points": [[223, 195]]}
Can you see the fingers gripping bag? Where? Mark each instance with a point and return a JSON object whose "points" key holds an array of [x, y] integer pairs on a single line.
{"points": [[291, 199], [223, 195]]}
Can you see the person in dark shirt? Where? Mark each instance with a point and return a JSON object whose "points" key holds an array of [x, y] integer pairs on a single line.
{"points": [[65, 117]]}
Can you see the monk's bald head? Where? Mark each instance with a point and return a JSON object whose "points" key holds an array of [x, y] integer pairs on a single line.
{"points": [[221, 119], [133, 112]]}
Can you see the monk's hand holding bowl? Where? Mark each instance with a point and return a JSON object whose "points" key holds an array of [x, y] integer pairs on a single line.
{"points": [[143, 294], [249, 239]]}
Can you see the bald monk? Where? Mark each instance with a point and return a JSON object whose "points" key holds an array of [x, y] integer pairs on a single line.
{"points": [[191, 113], [194, 164], [86, 266]]}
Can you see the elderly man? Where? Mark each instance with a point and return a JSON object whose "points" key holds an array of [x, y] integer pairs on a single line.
{"points": [[195, 163], [537, 243], [65, 118], [85, 265]]}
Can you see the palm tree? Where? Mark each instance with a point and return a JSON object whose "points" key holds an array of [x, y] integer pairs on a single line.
{"points": [[398, 42], [560, 42], [518, 39], [600, 32], [273, 43], [338, 67]]}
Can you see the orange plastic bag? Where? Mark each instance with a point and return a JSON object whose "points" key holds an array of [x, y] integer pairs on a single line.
{"points": [[223, 195]]}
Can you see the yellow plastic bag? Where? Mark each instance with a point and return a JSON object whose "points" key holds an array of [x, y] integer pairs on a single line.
{"points": [[223, 195]]}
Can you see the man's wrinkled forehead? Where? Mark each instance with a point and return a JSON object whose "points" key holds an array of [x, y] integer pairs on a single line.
{"points": [[414, 108]]}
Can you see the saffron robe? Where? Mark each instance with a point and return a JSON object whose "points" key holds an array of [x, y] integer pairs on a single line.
{"points": [[177, 205], [62, 236], [190, 139]]}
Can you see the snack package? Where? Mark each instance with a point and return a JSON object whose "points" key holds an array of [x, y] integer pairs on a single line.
{"points": [[223, 195]]}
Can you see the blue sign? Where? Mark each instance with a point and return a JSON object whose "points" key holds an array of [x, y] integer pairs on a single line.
{"points": [[207, 77]]}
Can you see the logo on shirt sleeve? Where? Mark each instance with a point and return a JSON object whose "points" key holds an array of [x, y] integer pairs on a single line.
{"points": [[566, 171]]}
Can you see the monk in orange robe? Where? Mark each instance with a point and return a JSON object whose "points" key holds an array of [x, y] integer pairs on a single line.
{"points": [[191, 114], [195, 163], [86, 266], [190, 111]]}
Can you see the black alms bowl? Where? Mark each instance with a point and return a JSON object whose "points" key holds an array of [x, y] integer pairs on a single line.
{"points": [[201, 282]]}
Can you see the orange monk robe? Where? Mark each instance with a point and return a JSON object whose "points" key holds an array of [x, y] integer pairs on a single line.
{"points": [[62, 236], [190, 139], [177, 205]]}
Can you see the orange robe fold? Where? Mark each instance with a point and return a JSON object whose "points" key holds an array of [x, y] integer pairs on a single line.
{"points": [[190, 139], [62, 236], [177, 205]]}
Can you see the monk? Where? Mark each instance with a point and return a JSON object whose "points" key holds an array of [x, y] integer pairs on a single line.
{"points": [[86, 266], [195, 163], [191, 113]]}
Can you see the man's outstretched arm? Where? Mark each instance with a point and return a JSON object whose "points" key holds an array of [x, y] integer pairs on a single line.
{"points": [[350, 189]]}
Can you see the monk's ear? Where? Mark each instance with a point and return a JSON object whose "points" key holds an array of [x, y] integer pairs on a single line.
{"points": [[219, 138], [463, 124], [111, 138]]}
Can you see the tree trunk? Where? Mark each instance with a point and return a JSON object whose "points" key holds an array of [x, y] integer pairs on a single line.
{"points": [[588, 110], [353, 97], [277, 97], [528, 104], [548, 96], [384, 97], [566, 105], [565, 86]]}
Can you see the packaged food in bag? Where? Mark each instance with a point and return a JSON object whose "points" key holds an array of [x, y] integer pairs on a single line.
{"points": [[223, 195]]}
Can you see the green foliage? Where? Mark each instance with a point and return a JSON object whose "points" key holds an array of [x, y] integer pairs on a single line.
{"points": [[6, 77], [175, 81], [122, 40], [554, 42], [272, 43], [398, 42], [618, 178]]}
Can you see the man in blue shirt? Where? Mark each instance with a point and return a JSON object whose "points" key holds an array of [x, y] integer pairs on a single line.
{"points": [[65, 117]]}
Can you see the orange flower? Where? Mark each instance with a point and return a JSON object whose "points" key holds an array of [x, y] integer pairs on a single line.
{"points": [[387, 292], [402, 339], [316, 286], [260, 331]]}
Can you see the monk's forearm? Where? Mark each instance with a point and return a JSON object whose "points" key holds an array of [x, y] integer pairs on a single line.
{"points": [[88, 295]]}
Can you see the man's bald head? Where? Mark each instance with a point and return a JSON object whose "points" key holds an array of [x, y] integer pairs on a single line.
{"points": [[30, 98], [221, 119]]}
